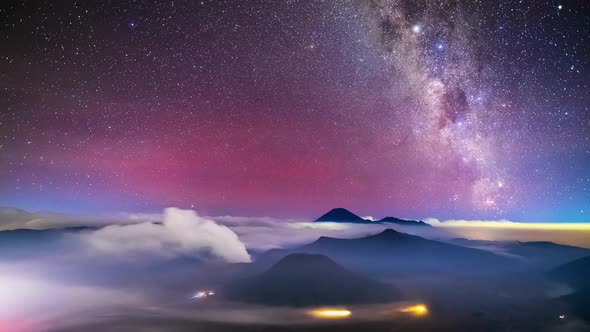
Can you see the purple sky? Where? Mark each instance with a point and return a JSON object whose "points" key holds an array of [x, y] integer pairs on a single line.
{"points": [[288, 109]]}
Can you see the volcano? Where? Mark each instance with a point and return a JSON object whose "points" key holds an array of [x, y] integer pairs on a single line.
{"points": [[310, 280], [342, 215]]}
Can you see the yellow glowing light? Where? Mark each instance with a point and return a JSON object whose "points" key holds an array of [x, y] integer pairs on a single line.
{"points": [[330, 313], [517, 225], [418, 310]]}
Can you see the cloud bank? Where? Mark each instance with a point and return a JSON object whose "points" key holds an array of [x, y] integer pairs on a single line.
{"points": [[181, 233], [263, 233], [575, 234], [12, 218], [32, 303]]}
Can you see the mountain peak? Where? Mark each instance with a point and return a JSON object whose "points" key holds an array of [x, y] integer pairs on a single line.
{"points": [[341, 215], [310, 280]]}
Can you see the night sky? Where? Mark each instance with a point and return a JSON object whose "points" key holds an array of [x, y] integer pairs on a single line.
{"points": [[448, 109]]}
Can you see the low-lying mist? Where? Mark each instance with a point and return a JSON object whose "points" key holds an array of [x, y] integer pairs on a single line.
{"points": [[143, 273]]}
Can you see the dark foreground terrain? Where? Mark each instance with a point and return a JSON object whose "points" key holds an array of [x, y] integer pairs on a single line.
{"points": [[378, 280], [509, 303]]}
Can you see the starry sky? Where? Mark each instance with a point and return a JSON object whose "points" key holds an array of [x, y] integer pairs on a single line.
{"points": [[448, 109]]}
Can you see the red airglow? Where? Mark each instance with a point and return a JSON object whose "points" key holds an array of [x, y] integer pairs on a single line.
{"points": [[14, 325]]}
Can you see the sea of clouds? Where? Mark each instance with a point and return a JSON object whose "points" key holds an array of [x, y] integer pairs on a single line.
{"points": [[48, 289]]}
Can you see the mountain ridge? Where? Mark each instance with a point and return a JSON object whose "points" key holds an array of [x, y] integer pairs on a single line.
{"points": [[343, 215], [393, 252], [294, 281]]}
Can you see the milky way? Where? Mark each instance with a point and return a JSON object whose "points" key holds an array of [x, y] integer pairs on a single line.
{"points": [[447, 109], [444, 85]]}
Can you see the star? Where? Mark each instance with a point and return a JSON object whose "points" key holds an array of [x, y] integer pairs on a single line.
{"points": [[177, 112]]}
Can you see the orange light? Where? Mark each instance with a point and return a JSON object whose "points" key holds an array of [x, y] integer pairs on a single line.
{"points": [[330, 313], [418, 310]]}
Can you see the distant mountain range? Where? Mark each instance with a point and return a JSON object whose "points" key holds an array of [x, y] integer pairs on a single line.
{"points": [[392, 252], [545, 255], [344, 216], [19, 243], [309, 280]]}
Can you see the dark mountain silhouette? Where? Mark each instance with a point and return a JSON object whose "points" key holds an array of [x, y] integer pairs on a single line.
{"points": [[309, 280], [341, 215], [394, 252], [18, 235], [576, 273], [22, 243], [579, 303], [546, 255], [403, 222]]}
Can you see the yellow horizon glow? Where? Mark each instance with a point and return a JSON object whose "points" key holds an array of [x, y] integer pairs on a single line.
{"points": [[516, 225], [330, 313]]}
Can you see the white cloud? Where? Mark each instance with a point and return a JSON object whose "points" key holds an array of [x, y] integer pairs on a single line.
{"points": [[459, 222], [283, 234], [182, 232], [262, 233], [575, 234]]}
